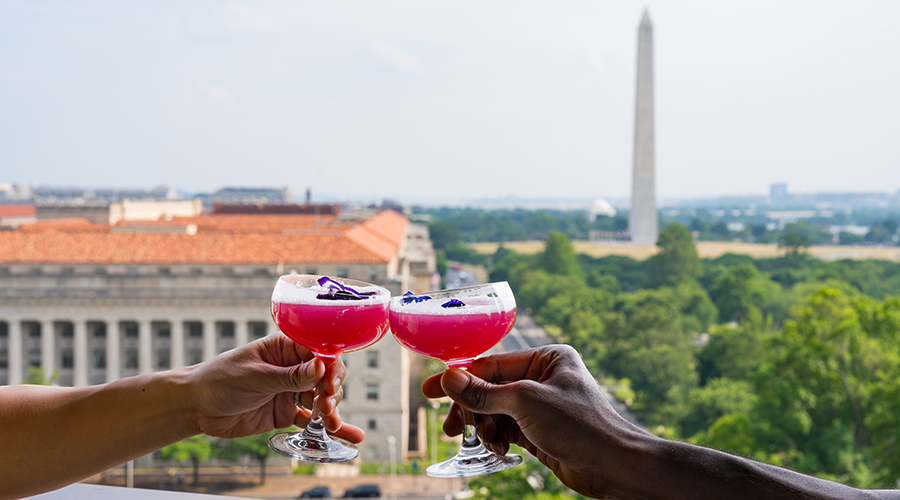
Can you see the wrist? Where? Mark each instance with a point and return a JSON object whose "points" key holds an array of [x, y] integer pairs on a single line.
{"points": [[187, 412], [628, 467]]}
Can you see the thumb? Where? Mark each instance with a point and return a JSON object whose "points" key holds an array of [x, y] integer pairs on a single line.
{"points": [[475, 394], [299, 378]]}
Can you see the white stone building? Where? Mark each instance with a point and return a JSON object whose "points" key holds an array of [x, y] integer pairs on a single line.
{"points": [[84, 304]]}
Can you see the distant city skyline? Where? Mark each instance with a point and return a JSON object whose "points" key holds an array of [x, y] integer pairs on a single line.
{"points": [[446, 102]]}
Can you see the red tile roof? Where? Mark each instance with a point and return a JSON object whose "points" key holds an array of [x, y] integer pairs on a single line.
{"points": [[17, 210], [220, 239]]}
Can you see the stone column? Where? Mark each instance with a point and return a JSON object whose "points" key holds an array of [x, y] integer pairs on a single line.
{"points": [[80, 352], [15, 351], [177, 345], [145, 347], [48, 349], [241, 332], [113, 348], [209, 340]]}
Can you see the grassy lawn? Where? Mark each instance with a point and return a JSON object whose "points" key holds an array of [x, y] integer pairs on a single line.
{"points": [[706, 249]]}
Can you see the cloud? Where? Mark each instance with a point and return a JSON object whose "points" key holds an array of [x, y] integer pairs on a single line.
{"points": [[216, 93], [400, 59]]}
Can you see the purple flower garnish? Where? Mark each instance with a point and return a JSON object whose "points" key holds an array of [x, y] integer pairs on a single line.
{"points": [[453, 303], [407, 298], [337, 291]]}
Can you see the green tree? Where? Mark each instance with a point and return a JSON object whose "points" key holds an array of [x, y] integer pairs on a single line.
{"points": [[195, 449], [719, 397], [575, 317], [646, 342], [733, 433], [256, 447], [740, 288], [559, 256], [677, 259], [660, 375], [35, 376], [817, 381], [734, 352]]}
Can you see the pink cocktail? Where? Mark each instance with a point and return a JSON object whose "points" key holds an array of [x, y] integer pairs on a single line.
{"points": [[333, 327], [453, 335], [328, 316], [455, 326]]}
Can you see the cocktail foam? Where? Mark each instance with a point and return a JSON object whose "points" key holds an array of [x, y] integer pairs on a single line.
{"points": [[473, 305], [287, 293]]}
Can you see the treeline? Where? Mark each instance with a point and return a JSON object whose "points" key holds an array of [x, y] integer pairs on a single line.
{"points": [[791, 360], [451, 228]]}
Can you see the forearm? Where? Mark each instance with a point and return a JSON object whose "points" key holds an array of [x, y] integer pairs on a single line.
{"points": [[674, 470], [53, 436]]}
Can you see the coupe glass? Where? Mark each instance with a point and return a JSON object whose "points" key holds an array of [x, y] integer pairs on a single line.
{"points": [[455, 326], [328, 316]]}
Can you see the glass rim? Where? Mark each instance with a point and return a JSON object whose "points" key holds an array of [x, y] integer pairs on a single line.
{"points": [[290, 280], [458, 289]]}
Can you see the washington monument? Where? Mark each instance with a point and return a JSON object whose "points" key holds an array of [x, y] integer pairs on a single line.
{"points": [[642, 220]]}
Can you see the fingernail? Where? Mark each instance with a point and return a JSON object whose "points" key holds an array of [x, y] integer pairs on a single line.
{"points": [[310, 369], [455, 380]]}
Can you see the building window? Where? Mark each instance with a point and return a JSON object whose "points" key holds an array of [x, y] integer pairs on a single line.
{"points": [[162, 359], [311, 270], [373, 424], [4, 271], [372, 392], [4, 329], [372, 359], [34, 357], [257, 329], [227, 271], [163, 330], [342, 272], [194, 356], [68, 271], [98, 329], [165, 271], [194, 328], [132, 271], [261, 271], [131, 329], [131, 359], [196, 271], [227, 329], [68, 358], [100, 271], [99, 356], [34, 329], [34, 271], [4, 358], [373, 274], [66, 329]]}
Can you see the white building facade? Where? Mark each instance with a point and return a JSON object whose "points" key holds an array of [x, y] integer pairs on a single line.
{"points": [[84, 323]]}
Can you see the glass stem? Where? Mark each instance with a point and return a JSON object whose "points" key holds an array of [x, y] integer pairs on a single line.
{"points": [[315, 428], [470, 437]]}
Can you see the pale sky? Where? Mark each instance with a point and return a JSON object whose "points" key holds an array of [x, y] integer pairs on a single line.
{"points": [[443, 100]]}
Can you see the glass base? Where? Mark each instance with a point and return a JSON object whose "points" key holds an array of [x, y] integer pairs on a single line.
{"points": [[473, 461], [313, 448]]}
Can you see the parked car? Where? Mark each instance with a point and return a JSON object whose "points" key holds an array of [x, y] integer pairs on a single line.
{"points": [[364, 491], [317, 492]]}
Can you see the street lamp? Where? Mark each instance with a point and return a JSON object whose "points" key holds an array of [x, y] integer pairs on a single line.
{"points": [[392, 443]]}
